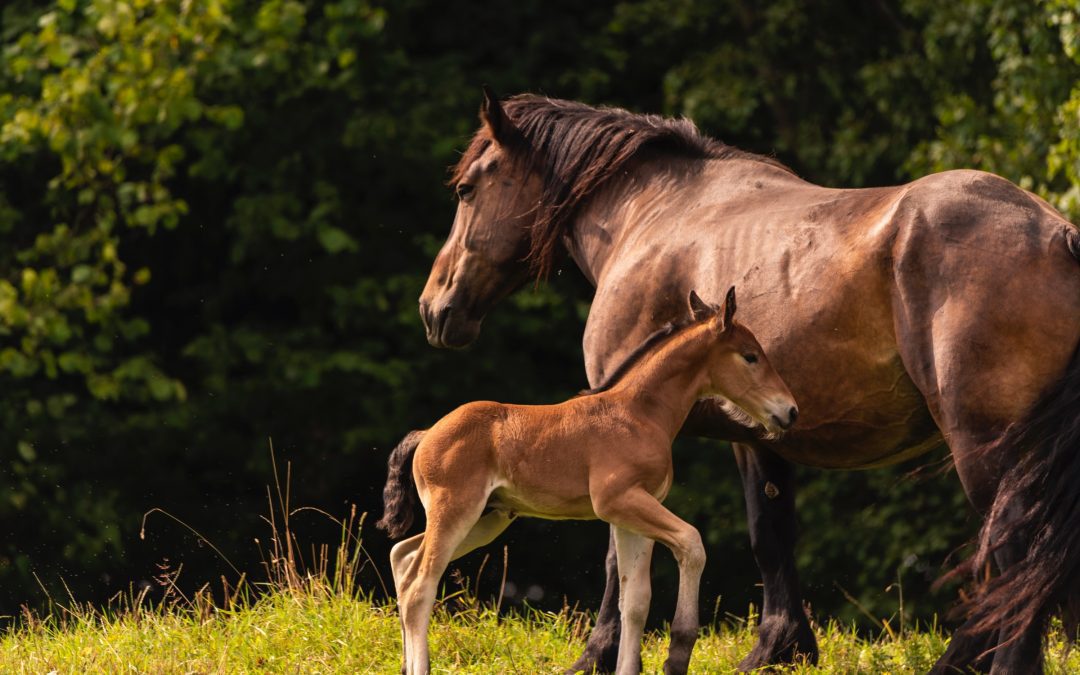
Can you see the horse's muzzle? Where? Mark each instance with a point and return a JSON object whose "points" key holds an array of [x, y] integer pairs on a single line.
{"points": [[446, 329]]}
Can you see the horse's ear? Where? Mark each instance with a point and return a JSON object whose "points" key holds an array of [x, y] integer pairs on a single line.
{"points": [[494, 117], [729, 307], [699, 309]]}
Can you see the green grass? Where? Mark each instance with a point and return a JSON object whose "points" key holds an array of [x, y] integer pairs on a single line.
{"points": [[313, 619], [314, 629]]}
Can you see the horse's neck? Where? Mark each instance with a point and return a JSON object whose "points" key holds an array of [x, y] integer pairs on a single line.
{"points": [[667, 382], [648, 191], [660, 191]]}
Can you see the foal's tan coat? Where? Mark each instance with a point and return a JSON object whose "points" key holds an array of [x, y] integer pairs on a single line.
{"points": [[603, 455]]}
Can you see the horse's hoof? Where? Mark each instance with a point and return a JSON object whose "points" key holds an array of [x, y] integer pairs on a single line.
{"points": [[595, 660], [780, 643]]}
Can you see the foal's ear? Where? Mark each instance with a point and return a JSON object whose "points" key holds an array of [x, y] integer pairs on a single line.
{"points": [[494, 117], [729, 307], [699, 309]]}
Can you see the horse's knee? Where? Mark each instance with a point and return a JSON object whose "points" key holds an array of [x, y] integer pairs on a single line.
{"points": [[605, 506]]}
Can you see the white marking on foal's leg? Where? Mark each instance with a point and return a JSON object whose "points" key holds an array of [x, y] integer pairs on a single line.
{"points": [[444, 534], [634, 554], [402, 557]]}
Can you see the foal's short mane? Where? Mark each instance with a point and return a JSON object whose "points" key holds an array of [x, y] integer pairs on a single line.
{"points": [[577, 148], [663, 334]]}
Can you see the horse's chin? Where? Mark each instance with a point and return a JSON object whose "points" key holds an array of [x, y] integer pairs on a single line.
{"points": [[454, 334]]}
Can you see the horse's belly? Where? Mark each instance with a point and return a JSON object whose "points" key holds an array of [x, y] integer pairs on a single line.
{"points": [[854, 445], [852, 415]]}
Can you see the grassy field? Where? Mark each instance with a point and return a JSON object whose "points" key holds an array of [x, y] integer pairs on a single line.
{"points": [[313, 619], [313, 629]]}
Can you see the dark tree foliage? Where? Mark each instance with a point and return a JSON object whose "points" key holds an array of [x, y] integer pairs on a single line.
{"points": [[216, 217]]}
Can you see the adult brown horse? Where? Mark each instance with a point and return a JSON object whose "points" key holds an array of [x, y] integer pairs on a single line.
{"points": [[944, 309]]}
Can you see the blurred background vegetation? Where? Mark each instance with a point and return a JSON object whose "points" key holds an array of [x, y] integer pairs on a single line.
{"points": [[216, 217]]}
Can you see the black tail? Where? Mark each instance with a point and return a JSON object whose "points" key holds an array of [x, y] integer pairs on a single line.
{"points": [[1037, 503], [399, 495]]}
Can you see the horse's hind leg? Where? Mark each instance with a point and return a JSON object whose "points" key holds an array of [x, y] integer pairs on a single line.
{"points": [[974, 652], [977, 395], [769, 488]]}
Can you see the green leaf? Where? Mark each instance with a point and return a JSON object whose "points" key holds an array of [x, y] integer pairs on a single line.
{"points": [[336, 240]]}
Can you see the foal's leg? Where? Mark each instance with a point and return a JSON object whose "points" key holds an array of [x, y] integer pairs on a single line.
{"points": [[638, 511], [402, 556], [769, 488], [449, 522], [485, 530], [634, 554]]}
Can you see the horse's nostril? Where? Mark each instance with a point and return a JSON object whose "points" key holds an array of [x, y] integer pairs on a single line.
{"points": [[444, 313], [425, 313], [793, 415]]}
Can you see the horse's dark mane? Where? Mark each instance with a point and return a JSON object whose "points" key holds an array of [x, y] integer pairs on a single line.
{"points": [[577, 148], [655, 339]]}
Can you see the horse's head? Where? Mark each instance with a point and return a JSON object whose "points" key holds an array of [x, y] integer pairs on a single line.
{"points": [[740, 373], [484, 258]]}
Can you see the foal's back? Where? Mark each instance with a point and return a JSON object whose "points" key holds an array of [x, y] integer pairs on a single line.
{"points": [[540, 459]]}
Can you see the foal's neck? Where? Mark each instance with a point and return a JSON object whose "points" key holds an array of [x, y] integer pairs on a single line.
{"points": [[664, 385]]}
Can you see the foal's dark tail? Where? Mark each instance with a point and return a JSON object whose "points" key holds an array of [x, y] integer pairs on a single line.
{"points": [[399, 495], [1038, 504]]}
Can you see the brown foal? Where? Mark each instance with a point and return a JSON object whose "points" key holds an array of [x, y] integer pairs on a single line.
{"points": [[603, 455]]}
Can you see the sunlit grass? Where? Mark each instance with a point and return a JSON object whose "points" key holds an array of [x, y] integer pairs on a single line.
{"points": [[315, 630], [313, 619]]}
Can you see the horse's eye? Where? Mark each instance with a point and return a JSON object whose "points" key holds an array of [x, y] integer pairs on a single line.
{"points": [[464, 190], [750, 358]]}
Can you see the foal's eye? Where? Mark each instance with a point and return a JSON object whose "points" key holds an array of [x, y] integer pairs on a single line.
{"points": [[750, 358], [464, 190]]}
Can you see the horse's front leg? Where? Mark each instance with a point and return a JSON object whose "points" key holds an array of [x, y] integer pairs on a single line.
{"points": [[785, 634], [602, 649]]}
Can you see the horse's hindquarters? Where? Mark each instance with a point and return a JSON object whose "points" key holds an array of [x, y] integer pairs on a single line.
{"points": [[987, 306]]}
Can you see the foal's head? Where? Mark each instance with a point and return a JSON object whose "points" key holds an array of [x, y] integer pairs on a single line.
{"points": [[740, 373]]}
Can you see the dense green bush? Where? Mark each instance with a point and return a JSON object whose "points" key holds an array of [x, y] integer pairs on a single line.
{"points": [[216, 218]]}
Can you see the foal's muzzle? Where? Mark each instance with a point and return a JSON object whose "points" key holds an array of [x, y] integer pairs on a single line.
{"points": [[787, 420]]}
